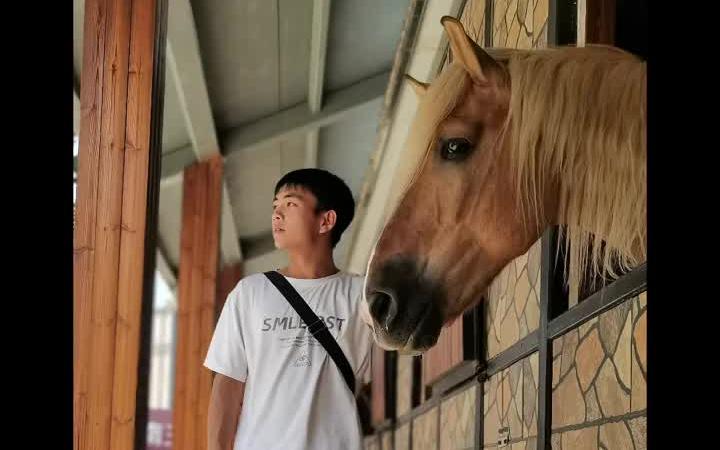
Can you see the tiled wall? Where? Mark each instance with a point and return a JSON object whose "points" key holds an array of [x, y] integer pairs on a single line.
{"points": [[599, 381], [512, 308], [511, 402]]}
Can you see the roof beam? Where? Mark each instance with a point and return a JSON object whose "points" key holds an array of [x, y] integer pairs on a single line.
{"points": [[299, 119], [185, 65], [318, 52], [279, 126], [175, 161]]}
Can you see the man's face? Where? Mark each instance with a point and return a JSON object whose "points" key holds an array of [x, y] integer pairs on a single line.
{"points": [[295, 222]]}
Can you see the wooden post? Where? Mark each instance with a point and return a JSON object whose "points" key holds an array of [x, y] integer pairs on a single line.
{"points": [[115, 158], [197, 287], [227, 280]]}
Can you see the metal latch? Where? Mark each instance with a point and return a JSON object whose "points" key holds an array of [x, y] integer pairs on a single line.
{"points": [[503, 437]]}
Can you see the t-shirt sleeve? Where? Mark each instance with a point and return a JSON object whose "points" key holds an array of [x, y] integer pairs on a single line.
{"points": [[226, 354]]}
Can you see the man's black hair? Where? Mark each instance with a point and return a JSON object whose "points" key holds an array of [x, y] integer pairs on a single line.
{"points": [[331, 192]]}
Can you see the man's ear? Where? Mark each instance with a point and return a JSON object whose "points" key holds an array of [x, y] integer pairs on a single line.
{"points": [[329, 219]]}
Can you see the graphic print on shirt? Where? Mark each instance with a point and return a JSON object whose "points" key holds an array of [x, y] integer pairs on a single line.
{"points": [[299, 341], [302, 361], [303, 340]]}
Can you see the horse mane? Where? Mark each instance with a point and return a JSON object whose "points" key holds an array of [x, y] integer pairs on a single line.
{"points": [[578, 118]]}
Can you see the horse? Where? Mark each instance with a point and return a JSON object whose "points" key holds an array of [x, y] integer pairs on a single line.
{"points": [[507, 143]]}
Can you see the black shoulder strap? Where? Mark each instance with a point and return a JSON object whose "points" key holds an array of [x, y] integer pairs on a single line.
{"points": [[315, 326]]}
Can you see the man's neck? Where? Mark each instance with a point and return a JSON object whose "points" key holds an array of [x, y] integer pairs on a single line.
{"points": [[310, 264]]}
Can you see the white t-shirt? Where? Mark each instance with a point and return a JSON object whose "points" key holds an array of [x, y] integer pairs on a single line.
{"points": [[295, 396]]}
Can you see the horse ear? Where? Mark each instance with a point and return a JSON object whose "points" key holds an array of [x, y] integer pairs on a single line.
{"points": [[462, 48], [418, 87]]}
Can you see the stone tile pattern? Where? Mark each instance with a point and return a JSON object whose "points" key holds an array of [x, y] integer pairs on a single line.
{"points": [[403, 399], [511, 401], [457, 420], [512, 310], [492, 405], [520, 23], [402, 437], [599, 381], [424, 431], [473, 20], [516, 24]]}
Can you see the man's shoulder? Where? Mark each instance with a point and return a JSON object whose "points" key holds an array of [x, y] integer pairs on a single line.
{"points": [[248, 285], [353, 278], [253, 280]]}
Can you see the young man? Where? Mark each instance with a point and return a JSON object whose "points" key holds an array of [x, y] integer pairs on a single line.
{"points": [[276, 386]]}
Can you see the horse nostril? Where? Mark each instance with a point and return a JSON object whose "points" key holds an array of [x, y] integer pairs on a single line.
{"points": [[383, 307]]}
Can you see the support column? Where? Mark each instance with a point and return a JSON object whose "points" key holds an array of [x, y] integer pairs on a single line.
{"points": [[118, 178], [197, 290]]}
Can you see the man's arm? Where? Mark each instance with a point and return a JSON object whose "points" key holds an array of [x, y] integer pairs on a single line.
{"points": [[226, 400]]}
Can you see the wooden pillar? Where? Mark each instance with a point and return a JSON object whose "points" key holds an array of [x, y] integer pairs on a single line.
{"points": [[197, 290], [227, 280], [117, 184]]}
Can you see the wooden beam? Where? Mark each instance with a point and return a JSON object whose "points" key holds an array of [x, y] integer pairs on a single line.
{"points": [[175, 161], [115, 156], [185, 66], [318, 51], [299, 119], [209, 292], [312, 140], [197, 283]]}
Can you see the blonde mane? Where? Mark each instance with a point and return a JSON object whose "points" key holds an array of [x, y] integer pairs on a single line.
{"points": [[577, 116]]}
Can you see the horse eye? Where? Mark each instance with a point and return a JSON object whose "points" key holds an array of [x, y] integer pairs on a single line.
{"points": [[455, 149]]}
